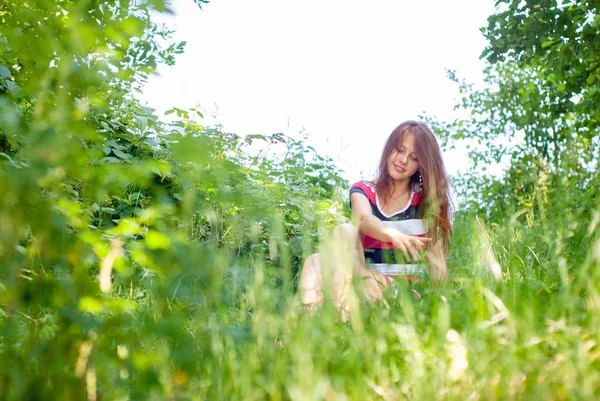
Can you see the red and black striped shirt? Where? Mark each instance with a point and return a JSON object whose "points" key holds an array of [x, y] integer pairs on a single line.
{"points": [[381, 256]]}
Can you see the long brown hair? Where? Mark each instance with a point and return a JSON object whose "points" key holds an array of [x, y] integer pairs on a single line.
{"points": [[435, 194]]}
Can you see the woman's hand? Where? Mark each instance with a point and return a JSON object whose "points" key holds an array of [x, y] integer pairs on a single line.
{"points": [[408, 244]]}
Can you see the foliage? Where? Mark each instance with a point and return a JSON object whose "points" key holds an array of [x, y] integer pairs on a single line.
{"points": [[148, 260], [560, 36], [536, 115], [120, 233]]}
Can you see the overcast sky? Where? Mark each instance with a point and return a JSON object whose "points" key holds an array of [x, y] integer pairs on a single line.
{"points": [[346, 72]]}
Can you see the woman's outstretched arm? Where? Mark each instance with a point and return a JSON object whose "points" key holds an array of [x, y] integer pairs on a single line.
{"points": [[370, 225]]}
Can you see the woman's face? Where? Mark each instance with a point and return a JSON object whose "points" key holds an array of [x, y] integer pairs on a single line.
{"points": [[403, 162]]}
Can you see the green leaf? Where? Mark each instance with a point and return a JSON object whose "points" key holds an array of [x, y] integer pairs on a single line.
{"points": [[115, 145], [91, 305], [4, 72], [142, 122], [106, 126], [591, 79], [121, 155], [549, 43], [108, 159], [122, 306], [157, 240]]}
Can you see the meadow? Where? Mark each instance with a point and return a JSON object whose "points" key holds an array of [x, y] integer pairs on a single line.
{"points": [[146, 259]]}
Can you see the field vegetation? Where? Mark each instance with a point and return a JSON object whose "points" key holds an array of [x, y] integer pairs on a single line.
{"points": [[147, 260]]}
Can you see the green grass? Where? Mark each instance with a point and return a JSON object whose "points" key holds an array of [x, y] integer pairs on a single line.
{"points": [[238, 332]]}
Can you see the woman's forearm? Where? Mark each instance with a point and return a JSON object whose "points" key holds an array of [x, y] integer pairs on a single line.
{"points": [[375, 228]]}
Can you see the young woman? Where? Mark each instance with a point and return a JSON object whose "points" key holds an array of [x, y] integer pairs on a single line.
{"points": [[403, 212]]}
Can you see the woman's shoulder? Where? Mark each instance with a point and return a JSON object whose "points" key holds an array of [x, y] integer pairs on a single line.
{"points": [[366, 188], [417, 197]]}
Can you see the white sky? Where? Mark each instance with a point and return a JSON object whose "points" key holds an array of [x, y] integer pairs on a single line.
{"points": [[347, 72]]}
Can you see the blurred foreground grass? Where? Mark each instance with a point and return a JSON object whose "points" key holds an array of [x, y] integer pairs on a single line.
{"points": [[225, 327]]}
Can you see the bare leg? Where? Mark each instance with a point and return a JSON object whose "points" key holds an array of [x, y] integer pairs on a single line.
{"points": [[344, 258], [311, 282], [373, 283]]}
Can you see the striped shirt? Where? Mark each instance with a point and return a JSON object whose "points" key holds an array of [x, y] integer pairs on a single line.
{"points": [[381, 256]]}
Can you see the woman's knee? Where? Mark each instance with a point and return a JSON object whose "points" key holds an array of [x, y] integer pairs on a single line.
{"points": [[345, 230], [310, 285], [311, 266], [311, 260]]}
